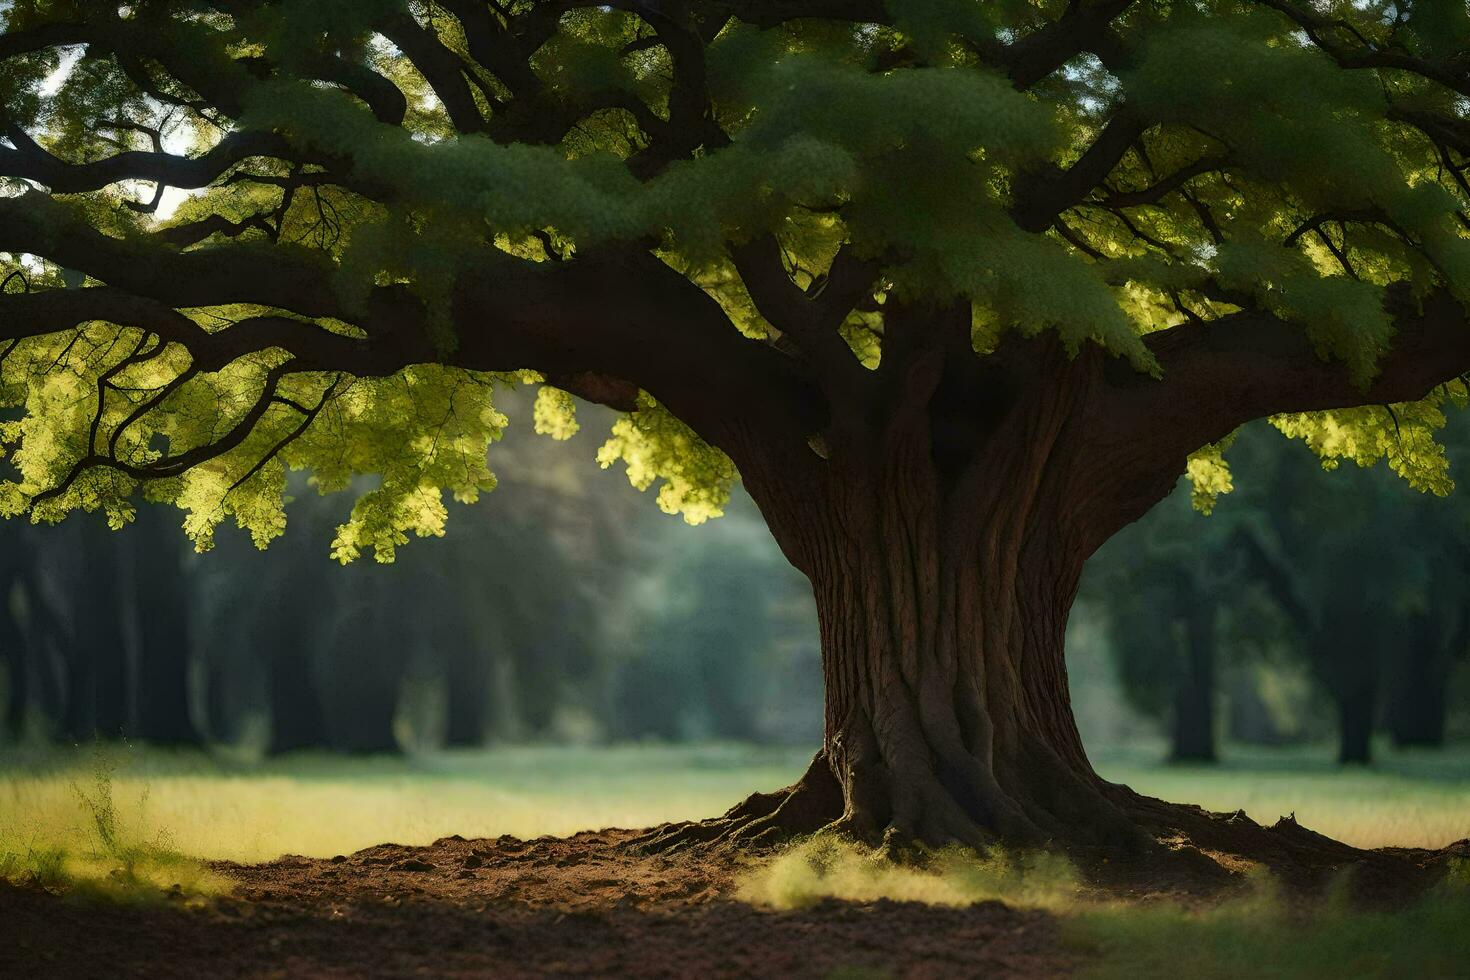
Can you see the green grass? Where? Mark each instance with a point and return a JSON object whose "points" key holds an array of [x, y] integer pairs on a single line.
{"points": [[1406, 799], [93, 846], [1263, 934], [1267, 936], [321, 805]]}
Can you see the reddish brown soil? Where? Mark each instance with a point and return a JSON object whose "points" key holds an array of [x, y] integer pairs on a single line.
{"points": [[582, 906]]}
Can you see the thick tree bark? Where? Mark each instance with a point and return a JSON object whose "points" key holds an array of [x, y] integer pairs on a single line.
{"points": [[942, 507], [943, 572], [1194, 696], [947, 712]]}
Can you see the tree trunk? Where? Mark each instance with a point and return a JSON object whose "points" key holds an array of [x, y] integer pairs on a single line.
{"points": [[1418, 704], [942, 506], [164, 714], [467, 674], [942, 588], [17, 674], [1194, 697], [1355, 710], [297, 720], [366, 665], [1420, 710], [947, 712], [98, 690]]}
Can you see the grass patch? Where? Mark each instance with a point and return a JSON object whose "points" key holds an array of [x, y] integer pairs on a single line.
{"points": [[825, 867], [1268, 935], [104, 854], [318, 805], [1261, 934]]}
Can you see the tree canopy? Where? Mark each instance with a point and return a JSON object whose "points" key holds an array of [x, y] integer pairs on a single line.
{"points": [[717, 217]]}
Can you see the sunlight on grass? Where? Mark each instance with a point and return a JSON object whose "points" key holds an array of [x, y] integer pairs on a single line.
{"points": [[828, 868], [1406, 800], [321, 805], [94, 846]]}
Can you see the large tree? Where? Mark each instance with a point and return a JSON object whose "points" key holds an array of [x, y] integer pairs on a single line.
{"points": [[957, 288]]}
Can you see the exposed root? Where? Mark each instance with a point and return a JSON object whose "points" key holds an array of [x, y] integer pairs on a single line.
{"points": [[762, 820], [900, 811], [1117, 838]]}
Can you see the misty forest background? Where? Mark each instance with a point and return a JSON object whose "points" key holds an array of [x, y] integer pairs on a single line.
{"points": [[1310, 607]]}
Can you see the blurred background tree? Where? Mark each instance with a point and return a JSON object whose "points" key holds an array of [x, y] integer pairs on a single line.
{"points": [[1349, 580]]}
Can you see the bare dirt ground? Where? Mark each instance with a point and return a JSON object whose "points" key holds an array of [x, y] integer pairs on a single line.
{"points": [[580, 906]]}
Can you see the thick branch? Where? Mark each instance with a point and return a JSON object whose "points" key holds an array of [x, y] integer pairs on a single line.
{"points": [[290, 279], [1038, 54], [630, 317], [811, 323], [30, 161], [1219, 374], [1042, 196]]}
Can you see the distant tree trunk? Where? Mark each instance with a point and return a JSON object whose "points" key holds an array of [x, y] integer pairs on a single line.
{"points": [[163, 631], [467, 674], [18, 666], [1355, 710], [1418, 704], [367, 657], [1345, 654], [367, 725], [1249, 718], [506, 722], [1194, 697], [219, 719], [98, 697], [296, 712]]}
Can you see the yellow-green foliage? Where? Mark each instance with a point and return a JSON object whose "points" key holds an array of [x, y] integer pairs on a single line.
{"points": [[655, 445], [1403, 435], [1209, 476], [555, 413]]}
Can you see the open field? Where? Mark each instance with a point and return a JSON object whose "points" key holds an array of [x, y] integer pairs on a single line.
{"points": [[323, 805], [131, 827]]}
